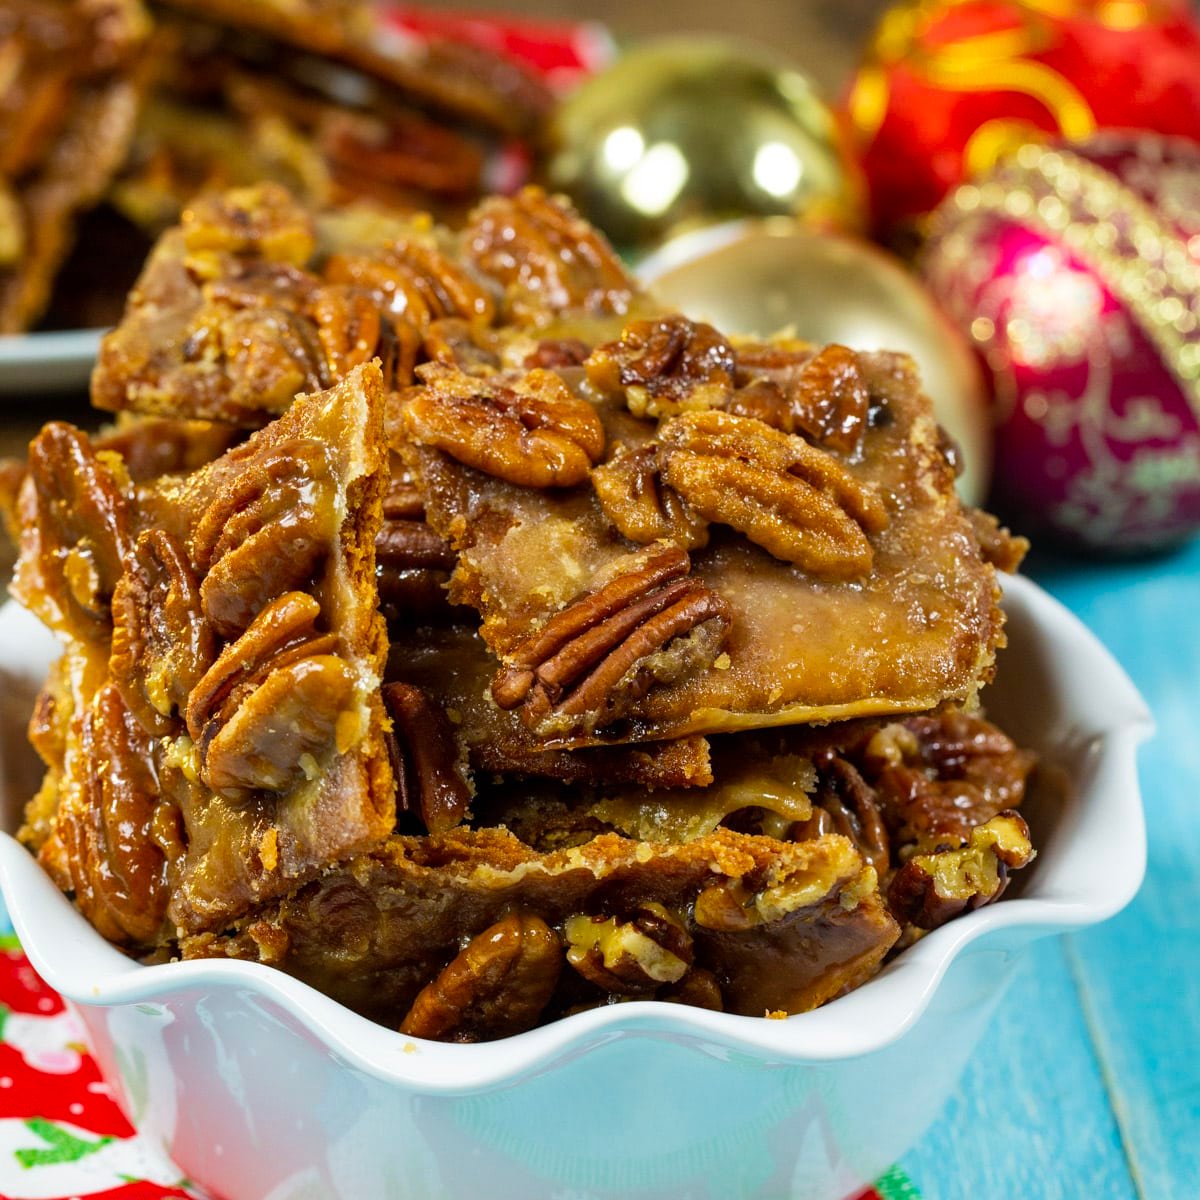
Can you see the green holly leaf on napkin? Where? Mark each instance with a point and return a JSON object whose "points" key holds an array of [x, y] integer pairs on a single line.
{"points": [[62, 1146]]}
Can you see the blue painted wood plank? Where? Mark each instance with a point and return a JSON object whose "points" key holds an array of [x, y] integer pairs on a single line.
{"points": [[1031, 1117], [1139, 975]]}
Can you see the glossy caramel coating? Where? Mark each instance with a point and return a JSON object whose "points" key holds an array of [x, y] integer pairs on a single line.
{"points": [[222, 637]]}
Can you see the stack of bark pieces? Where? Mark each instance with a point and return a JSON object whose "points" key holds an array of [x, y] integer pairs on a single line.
{"points": [[537, 648], [142, 107]]}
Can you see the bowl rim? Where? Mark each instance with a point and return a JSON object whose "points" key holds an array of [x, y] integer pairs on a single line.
{"points": [[78, 963]]}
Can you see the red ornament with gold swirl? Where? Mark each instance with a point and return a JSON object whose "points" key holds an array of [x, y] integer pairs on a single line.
{"points": [[1076, 273], [948, 87]]}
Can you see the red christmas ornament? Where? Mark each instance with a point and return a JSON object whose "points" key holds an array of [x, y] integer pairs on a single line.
{"points": [[950, 86], [1076, 273]]}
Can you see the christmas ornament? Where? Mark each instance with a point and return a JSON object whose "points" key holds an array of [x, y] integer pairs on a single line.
{"points": [[949, 86], [690, 130], [1077, 274], [758, 277]]}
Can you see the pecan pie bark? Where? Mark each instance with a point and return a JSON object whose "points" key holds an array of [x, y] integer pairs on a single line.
{"points": [[225, 652], [253, 299], [460, 81], [474, 935], [794, 578], [68, 107]]}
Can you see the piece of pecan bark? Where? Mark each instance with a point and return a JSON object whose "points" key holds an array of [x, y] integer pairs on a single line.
{"points": [[793, 499], [932, 888], [270, 706], [535, 432], [547, 259], [604, 651], [497, 986], [425, 759], [665, 366], [640, 505], [823, 396]]}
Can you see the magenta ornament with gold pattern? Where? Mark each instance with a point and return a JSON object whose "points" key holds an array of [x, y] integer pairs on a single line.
{"points": [[1076, 273]]}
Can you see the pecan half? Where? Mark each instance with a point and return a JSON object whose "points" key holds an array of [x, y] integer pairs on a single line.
{"points": [[943, 775], [161, 644], [535, 432], [402, 500], [412, 568], [264, 534], [496, 987], [401, 150], [930, 889], [601, 654], [273, 702], [83, 527], [652, 947], [665, 366], [353, 329], [406, 544], [415, 281], [118, 868], [546, 257], [794, 500], [426, 760], [845, 803], [640, 505], [824, 395]]}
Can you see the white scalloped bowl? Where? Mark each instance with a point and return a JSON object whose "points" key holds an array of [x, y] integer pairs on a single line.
{"points": [[261, 1088]]}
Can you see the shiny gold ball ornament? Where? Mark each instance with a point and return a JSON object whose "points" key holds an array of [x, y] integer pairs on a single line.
{"points": [[761, 277], [685, 131]]}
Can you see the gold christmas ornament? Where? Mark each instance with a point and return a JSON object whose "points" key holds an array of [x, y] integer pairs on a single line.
{"points": [[760, 277], [685, 131]]}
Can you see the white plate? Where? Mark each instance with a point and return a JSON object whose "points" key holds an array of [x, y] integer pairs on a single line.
{"points": [[47, 362]]}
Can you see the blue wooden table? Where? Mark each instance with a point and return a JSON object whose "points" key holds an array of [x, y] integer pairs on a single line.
{"points": [[1087, 1086]]}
